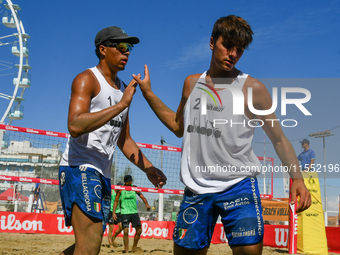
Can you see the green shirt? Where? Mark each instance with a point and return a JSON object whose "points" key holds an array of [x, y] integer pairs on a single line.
{"points": [[113, 197], [128, 202], [173, 216]]}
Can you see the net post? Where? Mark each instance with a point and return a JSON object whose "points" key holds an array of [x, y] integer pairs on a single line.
{"points": [[30, 204], [2, 132], [272, 186], [160, 206], [161, 195], [293, 224]]}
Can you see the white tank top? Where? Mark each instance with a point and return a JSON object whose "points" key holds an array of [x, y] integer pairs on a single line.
{"points": [[216, 154], [96, 149]]}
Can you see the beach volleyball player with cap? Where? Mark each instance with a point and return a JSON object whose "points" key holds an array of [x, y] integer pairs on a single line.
{"points": [[98, 121]]}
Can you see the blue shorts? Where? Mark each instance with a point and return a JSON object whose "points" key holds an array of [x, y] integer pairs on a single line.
{"points": [[87, 188], [240, 210]]}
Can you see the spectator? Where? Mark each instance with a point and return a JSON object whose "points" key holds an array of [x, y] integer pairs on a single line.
{"points": [[307, 157]]}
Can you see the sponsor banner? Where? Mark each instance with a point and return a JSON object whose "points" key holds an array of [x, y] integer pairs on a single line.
{"points": [[150, 229], [28, 179], [275, 210], [311, 236], [266, 196], [275, 236], [33, 131], [150, 190], [333, 239], [5, 178], [158, 147], [41, 223]]}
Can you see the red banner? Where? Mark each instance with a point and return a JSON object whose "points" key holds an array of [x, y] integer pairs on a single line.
{"points": [[151, 229], [333, 239], [28, 179], [33, 131], [41, 223], [55, 224], [33, 223]]}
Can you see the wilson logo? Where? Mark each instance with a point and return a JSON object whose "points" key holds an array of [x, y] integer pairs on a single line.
{"points": [[51, 133], [5, 178], [281, 237], [10, 223], [148, 231], [223, 236], [61, 226]]}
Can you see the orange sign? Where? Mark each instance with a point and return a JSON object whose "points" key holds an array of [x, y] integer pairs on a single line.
{"points": [[275, 210]]}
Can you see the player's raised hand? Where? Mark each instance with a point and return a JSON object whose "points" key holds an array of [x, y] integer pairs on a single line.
{"points": [[129, 91], [156, 176], [145, 84]]}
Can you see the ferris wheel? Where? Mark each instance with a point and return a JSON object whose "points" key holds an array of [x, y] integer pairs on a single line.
{"points": [[14, 68]]}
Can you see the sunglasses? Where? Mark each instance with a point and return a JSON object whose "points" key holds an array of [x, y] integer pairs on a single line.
{"points": [[122, 47]]}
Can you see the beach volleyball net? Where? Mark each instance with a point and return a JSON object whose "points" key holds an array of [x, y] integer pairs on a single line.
{"points": [[30, 156]]}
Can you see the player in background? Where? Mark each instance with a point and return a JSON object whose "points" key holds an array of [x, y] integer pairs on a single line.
{"points": [[129, 213], [113, 222]]}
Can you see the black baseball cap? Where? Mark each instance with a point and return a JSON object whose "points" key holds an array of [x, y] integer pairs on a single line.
{"points": [[114, 33], [127, 178], [304, 141]]}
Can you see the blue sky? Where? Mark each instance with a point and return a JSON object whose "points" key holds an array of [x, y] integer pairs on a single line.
{"points": [[297, 39]]}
